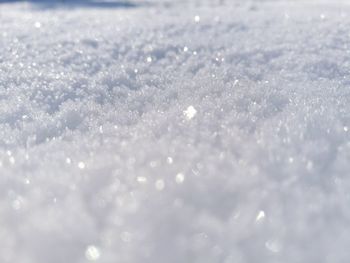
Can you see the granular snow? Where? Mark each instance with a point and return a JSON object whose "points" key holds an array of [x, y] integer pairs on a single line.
{"points": [[199, 131]]}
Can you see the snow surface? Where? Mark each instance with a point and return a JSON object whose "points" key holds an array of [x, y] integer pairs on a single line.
{"points": [[174, 132]]}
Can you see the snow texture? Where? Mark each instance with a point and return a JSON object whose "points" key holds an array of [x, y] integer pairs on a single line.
{"points": [[174, 131]]}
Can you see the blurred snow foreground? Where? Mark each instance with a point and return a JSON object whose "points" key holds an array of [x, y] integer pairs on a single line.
{"points": [[190, 131]]}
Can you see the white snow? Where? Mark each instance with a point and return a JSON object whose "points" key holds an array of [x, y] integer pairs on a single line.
{"points": [[174, 131]]}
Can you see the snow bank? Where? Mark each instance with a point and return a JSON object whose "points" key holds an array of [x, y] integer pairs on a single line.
{"points": [[198, 132]]}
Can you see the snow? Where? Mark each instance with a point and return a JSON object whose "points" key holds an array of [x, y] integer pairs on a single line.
{"points": [[174, 131]]}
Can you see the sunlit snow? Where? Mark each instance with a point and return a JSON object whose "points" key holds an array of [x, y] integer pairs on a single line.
{"points": [[156, 131]]}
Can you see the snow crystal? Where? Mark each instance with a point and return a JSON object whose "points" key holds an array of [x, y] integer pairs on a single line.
{"points": [[81, 165], [169, 160], [141, 179], [180, 178], [174, 131], [190, 112], [92, 253], [37, 24], [260, 217]]}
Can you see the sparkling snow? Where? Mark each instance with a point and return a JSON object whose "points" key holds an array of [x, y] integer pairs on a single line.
{"points": [[174, 131]]}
